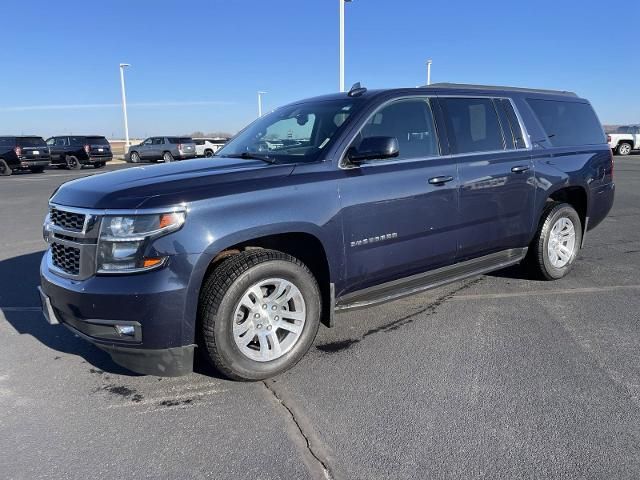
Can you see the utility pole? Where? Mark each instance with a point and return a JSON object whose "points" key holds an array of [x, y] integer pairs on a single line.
{"points": [[429, 72], [260, 93], [342, 2], [124, 105]]}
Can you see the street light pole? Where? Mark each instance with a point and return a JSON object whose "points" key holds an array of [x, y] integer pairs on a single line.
{"points": [[260, 103], [342, 2], [124, 105], [429, 72]]}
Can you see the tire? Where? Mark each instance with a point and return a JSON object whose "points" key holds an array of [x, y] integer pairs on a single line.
{"points": [[167, 157], [98, 165], [543, 259], [37, 169], [220, 308], [5, 170], [134, 157], [623, 149], [208, 153], [73, 163]]}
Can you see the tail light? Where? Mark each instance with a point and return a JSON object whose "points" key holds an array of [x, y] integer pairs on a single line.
{"points": [[608, 138], [179, 146], [87, 148], [18, 151]]}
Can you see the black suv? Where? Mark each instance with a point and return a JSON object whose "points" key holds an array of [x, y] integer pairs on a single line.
{"points": [[75, 151], [23, 153]]}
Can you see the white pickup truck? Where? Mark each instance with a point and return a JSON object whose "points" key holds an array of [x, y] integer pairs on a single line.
{"points": [[625, 139]]}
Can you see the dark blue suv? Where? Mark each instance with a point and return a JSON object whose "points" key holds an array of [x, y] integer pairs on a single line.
{"points": [[332, 203]]}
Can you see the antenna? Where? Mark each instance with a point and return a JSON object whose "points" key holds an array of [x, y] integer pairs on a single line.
{"points": [[356, 90]]}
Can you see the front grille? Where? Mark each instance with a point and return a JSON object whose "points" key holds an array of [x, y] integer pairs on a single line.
{"points": [[66, 258], [67, 220]]}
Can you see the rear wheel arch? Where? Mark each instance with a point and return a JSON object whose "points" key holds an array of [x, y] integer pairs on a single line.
{"points": [[577, 197]]}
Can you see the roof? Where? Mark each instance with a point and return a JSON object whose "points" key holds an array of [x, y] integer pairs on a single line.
{"points": [[491, 88]]}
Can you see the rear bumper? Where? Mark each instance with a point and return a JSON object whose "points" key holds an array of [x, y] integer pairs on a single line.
{"points": [[601, 203], [185, 156], [101, 159], [32, 164]]}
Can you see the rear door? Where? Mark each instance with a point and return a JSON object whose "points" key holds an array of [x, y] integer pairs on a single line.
{"points": [[33, 148], [496, 174], [396, 221], [99, 146]]}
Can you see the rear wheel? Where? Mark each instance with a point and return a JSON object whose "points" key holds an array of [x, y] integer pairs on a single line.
{"points": [[208, 153], [5, 171], [623, 149], [557, 242], [73, 163], [259, 312], [167, 157], [37, 169], [98, 165], [134, 157]]}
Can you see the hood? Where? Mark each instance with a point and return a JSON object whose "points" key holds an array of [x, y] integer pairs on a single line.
{"points": [[167, 184]]}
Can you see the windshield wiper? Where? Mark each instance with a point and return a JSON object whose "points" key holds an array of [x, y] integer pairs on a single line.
{"points": [[249, 156]]}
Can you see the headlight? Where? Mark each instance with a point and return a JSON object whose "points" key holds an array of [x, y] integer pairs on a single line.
{"points": [[124, 238]]}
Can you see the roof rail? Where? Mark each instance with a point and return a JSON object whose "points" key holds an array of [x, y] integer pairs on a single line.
{"points": [[464, 86]]}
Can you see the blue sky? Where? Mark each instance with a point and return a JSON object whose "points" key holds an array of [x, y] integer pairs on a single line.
{"points": [[196, 65]]}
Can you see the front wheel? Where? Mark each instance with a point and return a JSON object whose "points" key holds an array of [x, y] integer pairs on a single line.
{"points": [[259, 314], [624, 149], [134, 157], [208, 153], [557, 242]]}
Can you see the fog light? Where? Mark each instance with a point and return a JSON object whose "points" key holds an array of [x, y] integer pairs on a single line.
{"points": [[126, 330]]}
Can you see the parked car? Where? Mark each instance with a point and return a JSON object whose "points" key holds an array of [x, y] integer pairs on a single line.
{"points": [[625, 139], [167, 149], [207, 147], [23, 152], [75, 151], [368, 197]]}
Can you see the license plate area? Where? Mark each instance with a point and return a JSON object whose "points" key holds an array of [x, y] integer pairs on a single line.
{"points": [[47, 309]]}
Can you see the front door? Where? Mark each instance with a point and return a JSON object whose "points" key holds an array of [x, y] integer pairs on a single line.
{"points": [[146, 149], [398, 219], [496, 175]]}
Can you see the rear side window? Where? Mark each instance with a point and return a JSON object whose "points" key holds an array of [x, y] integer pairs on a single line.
{"points": [[77, 141], [568, 123], [31, 142], [97, 141], [185, 140], [516, 130], [474, 125], [7, 142]]}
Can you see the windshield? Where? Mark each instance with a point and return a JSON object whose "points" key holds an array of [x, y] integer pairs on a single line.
{"points": [[295, 133]]}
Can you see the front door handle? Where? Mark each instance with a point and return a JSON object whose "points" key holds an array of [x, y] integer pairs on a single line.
{"points": [[441, 180], [520, 169]]}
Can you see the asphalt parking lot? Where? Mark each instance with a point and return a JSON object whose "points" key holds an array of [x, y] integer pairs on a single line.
{"points": [[495, 377]]}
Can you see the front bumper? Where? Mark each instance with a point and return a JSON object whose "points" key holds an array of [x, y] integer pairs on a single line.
{"points": [[153, 305]]}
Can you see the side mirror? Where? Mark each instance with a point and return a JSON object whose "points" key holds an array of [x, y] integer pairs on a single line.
{"points": [[374, 148]]}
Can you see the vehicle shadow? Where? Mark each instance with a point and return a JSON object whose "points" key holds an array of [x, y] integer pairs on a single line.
{"points": [[514, 272], [19, 302]]}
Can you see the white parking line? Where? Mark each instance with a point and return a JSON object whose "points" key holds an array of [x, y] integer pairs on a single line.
{"points": [[565, 291]]}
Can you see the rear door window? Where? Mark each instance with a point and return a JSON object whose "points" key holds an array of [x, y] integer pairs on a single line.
{"points": [[568, 123], [473, 124], [7, 142]]}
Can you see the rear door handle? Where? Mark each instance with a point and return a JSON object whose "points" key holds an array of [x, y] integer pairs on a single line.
{"points": [[520, 169], [441, 180]]}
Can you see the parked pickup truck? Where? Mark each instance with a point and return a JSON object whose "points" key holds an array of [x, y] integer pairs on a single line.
{"points": [[338, 202], [625, 139]]}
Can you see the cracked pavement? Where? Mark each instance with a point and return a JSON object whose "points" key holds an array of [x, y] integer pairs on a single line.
{"points": [[494, 377]]}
